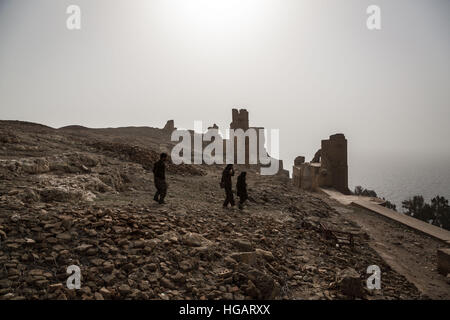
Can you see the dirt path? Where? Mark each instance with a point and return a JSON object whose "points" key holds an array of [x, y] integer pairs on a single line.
{"points": [[406, 251]]}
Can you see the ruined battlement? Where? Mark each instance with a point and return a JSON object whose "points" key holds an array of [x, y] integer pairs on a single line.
{"points": [[247, 146], [328, 168], [334, 161], [170, 126], [239, 119]]}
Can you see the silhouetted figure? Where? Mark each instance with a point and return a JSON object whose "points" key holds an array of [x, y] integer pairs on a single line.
{"points": [[159, 173], [225, 183], [241, 187]]}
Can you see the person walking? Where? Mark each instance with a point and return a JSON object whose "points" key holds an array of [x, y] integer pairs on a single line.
{"points": [[159, 174], [226, 184]]}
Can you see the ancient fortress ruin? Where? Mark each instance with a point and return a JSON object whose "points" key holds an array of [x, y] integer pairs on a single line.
{"points": [[248, 144], [327, 169], [240, 121]]}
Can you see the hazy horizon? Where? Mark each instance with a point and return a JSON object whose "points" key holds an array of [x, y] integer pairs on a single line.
{"points": [[309, 69]]}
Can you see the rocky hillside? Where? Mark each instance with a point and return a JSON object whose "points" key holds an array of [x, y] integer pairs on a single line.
{"points": [[77, 196]]}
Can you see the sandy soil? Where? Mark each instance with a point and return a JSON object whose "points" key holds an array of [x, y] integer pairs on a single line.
{"points": [[408, 252]]}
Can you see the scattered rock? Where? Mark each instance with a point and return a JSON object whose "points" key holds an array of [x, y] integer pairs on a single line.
{"points": [[265, 254], [350, 283], [194, 240], [243, 245], [88, 202], [124, 289], [245, 257]]}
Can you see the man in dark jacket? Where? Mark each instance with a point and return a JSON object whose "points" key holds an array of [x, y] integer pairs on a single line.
{"points": [[241, 187], [226, 183], [159, 174]]}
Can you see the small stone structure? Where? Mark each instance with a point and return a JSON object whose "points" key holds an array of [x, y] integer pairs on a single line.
{"points": [[334, 168], [443, 261], [306, 176], [170, 126], [327, 169]]}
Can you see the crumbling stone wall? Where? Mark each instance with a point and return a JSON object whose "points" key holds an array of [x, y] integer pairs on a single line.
{"points": [[334, 162], [299, 161], [306, 176], [170, 126], [327, 169], [239, 119]]}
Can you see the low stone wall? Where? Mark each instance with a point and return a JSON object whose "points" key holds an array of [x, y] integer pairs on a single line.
{"points": [[306, 176], [443, 261]]}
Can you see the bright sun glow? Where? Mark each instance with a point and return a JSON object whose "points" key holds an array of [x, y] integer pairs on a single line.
{"points": [[217, 15]]}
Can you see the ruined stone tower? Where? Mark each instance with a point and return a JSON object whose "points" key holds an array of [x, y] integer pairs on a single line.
{"points": [[334, 161], [328, 168], [239, 119]]}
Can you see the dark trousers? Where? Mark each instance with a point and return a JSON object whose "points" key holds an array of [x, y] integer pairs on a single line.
{"points": [[161, 190], [229, 197], [242, 199]]}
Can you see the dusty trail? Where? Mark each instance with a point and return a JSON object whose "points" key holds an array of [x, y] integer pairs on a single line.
{"points": [[410, 253]]}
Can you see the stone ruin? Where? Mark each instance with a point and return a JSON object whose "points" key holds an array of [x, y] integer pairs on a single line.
{"points": [[327, 169], [240, 120], [170, 126]]}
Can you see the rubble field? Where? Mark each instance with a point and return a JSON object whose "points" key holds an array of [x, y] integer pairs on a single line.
{"points": [[75, 197]]}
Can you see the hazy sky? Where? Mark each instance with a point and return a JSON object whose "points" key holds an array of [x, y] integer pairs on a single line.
{"points": [[309, 68]]}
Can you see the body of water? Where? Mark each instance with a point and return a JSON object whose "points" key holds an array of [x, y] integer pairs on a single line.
{"points": [[397, 179]]}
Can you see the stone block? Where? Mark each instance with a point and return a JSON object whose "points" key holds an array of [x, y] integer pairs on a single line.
{"points": [[443, 261]]}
